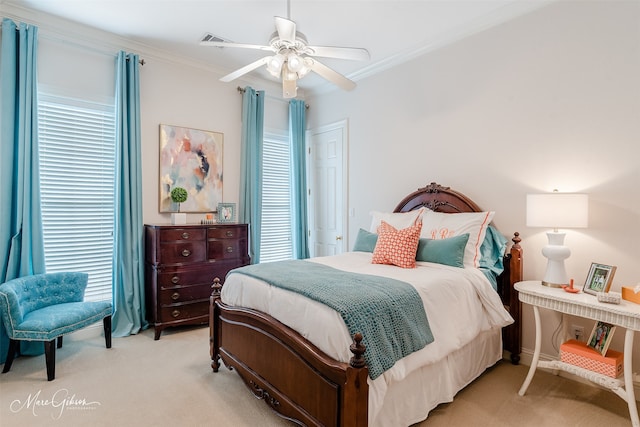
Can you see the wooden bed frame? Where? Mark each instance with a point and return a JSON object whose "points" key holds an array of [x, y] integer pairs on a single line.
{"points": [[296, 379]]}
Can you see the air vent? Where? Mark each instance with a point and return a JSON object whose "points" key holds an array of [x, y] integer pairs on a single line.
{"points": [[208, 37]]}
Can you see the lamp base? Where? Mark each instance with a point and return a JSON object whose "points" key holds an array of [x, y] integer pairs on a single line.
{"points": [[553, 285], [555, 276]]}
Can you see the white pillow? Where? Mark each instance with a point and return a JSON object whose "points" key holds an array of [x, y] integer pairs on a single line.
{"points": [[437, 225], [398, 220]]}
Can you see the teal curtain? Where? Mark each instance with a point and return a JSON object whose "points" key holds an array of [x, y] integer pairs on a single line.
{"points": [[128, 264], [250, 210], [21, 236], [297, 128]]}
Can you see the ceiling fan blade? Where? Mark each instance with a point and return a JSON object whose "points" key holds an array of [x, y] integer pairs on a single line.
{"points": [[244, 70], [286, 29], [242, 45], [331, 75], [354, 53]]}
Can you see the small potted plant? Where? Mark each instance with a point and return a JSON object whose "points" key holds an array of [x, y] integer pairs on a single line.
{"points": [[179, 195]]}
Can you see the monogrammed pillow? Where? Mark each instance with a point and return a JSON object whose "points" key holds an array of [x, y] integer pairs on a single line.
{"points": [[437, 225]]}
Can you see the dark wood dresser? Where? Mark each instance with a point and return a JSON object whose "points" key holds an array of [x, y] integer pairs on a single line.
{"points": [[181, 262]]}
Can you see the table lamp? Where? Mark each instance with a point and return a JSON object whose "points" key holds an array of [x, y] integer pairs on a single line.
{"points": [[557, 210]]}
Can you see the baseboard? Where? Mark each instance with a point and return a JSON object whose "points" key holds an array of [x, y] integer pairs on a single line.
{"points": [[526, 356]]}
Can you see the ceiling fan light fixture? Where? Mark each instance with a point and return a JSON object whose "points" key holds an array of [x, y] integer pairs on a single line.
{"points": [[306, 67], [275, 64], [295, 62]]}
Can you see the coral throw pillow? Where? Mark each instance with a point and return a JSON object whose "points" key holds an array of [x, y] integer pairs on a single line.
{"points": [[397, 247]]}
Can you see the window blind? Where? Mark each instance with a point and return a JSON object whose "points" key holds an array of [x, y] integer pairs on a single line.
{"points": [[275, 243], [77, 164]]}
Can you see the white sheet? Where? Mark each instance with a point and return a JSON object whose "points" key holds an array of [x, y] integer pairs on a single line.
{"points": [[460, 304]]}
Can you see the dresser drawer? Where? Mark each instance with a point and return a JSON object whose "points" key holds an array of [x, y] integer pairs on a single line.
{"points": [[174, 234], [171, 277], [226, 249], [182, 252], [203, 274], [227, 232], [178, 294], [184, 311]]}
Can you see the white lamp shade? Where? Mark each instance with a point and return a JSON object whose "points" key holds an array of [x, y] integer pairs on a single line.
{"points": [[558, 210]]}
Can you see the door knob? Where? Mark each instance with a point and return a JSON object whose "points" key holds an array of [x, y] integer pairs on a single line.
{"points": [[338, 237]]}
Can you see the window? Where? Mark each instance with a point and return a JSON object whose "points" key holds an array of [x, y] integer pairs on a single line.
{"points": [[77, 164], [276, 243]]}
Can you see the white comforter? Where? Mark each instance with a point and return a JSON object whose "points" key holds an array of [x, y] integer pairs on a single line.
{"points": [[460, 303]]}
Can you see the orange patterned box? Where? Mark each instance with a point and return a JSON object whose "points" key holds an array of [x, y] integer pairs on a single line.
{"points": [[629, 295], [579, 354]]}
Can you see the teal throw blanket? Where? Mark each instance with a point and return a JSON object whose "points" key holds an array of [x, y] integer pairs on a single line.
{"points": [[389, 313]]}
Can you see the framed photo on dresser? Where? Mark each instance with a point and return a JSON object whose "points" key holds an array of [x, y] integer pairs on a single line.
{"points": [[226, 213], [599, 278]]}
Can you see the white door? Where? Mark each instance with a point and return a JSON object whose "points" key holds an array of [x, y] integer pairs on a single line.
{"points": [[327, 148]]}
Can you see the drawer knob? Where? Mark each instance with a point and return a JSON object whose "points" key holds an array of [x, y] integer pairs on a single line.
{"points": [[185, 235], [175, 296], [186, 252], [175, 313], [175, 280], [229, 249], [229, 233]]}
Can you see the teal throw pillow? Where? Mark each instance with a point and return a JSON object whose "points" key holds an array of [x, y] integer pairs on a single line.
{"points": [[365, 241], [443, 251]]}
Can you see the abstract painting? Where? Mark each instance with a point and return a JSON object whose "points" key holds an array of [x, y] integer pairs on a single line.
{"points": [[191, 159]]}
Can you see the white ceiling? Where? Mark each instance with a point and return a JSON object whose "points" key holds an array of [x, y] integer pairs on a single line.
{"points": [[392, 31]]}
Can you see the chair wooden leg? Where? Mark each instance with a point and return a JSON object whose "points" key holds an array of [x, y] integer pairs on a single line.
{"points": [[13, 349], [50, 357], [60, 341], [106, 322]]}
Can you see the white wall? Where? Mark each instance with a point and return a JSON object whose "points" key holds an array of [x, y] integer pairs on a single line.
{"points": [[548, 100], [186, 96]]}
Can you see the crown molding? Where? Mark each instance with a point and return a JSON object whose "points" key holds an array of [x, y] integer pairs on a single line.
{"points": [[64, 31]]}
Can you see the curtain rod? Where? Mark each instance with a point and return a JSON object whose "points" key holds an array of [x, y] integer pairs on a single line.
{"points": [[241, 90], [65, 40]]}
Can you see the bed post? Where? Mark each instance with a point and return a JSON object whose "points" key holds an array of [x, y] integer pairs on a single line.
{"points": [[513, 333], [214, 339], [355, 397]]}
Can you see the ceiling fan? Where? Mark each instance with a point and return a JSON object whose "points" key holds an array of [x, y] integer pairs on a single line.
{"points": [[293, 57]]}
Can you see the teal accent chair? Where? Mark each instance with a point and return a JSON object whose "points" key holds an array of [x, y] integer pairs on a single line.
{"points": [[44, 307]]}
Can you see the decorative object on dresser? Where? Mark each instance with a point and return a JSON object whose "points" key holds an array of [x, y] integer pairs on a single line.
{"points": [[191, 159], [557, 210], [179, 195], [631, 293], [226, 213], [599, 278], [180, 265]]}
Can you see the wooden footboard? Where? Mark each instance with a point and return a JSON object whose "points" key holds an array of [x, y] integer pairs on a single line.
{"points": [[293, 376]]}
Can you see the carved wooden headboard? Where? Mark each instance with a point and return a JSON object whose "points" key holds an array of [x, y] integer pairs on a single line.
{"points": [[444, 199]]}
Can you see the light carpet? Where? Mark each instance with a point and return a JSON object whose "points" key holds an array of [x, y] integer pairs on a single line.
{"points": [[141, 382]]}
